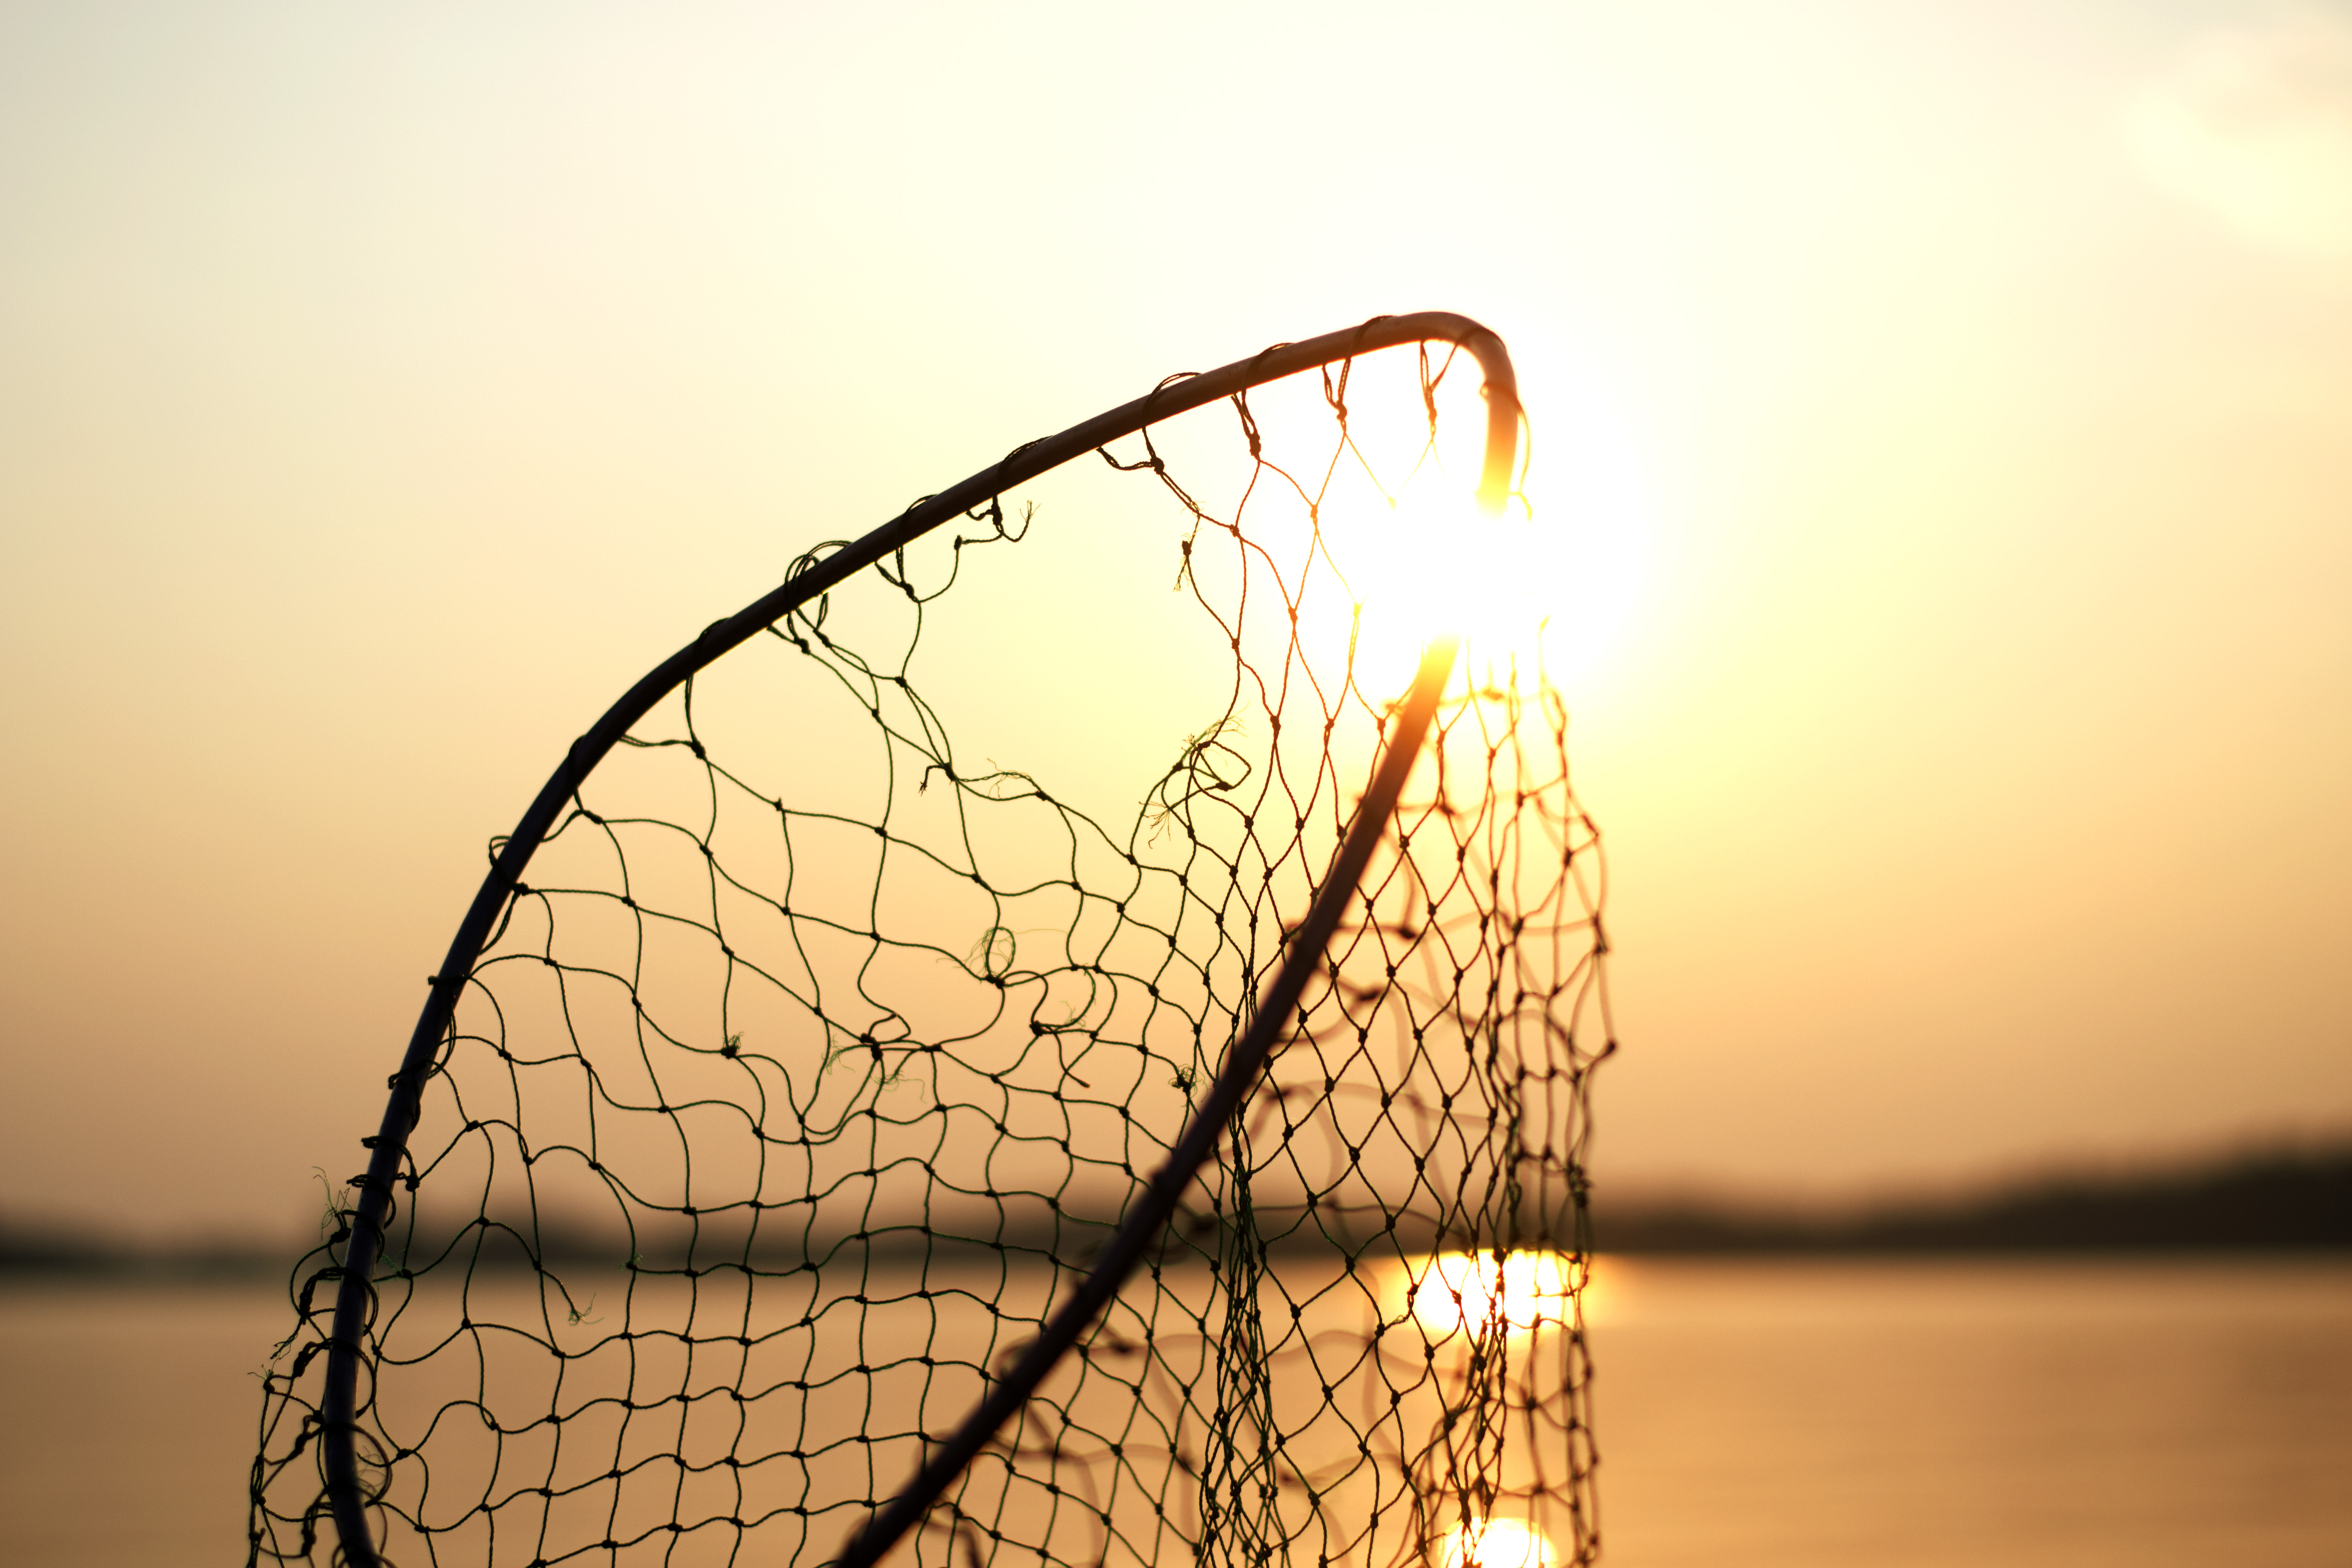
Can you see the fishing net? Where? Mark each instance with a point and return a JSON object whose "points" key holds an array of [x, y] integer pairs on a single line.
{"points": [[815, 1057]]}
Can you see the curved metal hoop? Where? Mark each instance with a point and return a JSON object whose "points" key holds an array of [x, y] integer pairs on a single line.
{"points": [[355, 1292]]}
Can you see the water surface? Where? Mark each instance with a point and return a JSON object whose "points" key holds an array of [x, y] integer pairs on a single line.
{"points": [[1907, 1415]]}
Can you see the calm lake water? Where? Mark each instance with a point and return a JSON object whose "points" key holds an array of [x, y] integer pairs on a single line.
{"points": [[2065, 1414]]}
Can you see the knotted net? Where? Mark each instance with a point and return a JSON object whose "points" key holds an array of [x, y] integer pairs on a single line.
{"points": [[816, 1056]]}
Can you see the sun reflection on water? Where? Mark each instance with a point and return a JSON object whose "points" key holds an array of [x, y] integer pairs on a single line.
{"points": [[1481, 1291], [1496, 1543]]}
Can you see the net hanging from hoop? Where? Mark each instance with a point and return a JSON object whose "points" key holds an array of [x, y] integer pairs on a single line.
{"points": [[797, 1062]]}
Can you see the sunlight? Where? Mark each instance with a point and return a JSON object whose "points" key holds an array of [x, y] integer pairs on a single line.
{"points": [[1477, 1291], [1433, 564], [1551, 592], [1496, 1543]]}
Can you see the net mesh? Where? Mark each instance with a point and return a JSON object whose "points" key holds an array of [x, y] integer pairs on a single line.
{"points": [[817, 1055]]}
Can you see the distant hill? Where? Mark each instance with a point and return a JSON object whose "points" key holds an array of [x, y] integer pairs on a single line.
{"points": [[49, 1250], [2278, 1199], [2268, 1201]]}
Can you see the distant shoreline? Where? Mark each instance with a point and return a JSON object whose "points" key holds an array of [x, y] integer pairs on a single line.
{"points": [[2273, 1200], [2268, 1203]]}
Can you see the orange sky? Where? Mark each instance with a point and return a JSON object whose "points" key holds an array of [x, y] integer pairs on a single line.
{"points": [[1950, 405]]}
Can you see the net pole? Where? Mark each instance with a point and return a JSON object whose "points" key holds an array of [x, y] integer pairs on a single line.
{"points": [[370, 1217]]}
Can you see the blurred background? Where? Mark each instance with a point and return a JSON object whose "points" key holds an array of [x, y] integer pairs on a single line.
{"points": [[1949, 407]]}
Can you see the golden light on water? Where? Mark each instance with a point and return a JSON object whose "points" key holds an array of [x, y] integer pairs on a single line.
{"points": [[1496, 1543], [1480, 1291]]}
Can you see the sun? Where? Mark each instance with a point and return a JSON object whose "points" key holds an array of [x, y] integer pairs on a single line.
{"points": [[1529, 596]]}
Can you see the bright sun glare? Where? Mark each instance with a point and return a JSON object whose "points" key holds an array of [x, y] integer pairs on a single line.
{"points": [[1434, 565], [1405, 552], [1522, 593], [1496, 1543], [1479, 1292]]}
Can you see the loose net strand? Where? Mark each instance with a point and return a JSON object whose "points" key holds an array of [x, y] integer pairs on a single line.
{"points": [[815, 1059]]}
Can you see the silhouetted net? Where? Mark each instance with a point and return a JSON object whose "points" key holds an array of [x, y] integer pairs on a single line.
{"points": [[819, 1053]]}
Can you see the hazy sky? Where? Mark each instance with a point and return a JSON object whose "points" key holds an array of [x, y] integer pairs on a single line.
{"points": [[1956, 400]]}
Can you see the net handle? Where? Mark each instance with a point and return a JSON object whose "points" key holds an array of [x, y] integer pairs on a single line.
{"points": [[338, 1414]]}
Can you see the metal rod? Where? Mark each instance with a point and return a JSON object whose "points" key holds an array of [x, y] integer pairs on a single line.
{"points": [[354, 1297]]}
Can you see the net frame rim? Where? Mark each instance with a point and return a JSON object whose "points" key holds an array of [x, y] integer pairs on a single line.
{"points": [[339, 1416]]}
